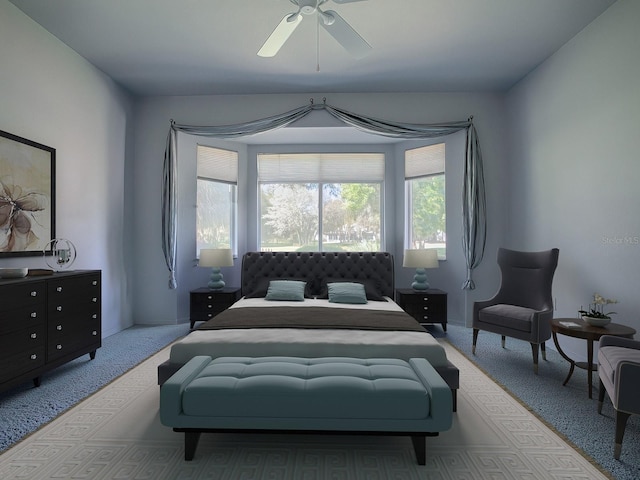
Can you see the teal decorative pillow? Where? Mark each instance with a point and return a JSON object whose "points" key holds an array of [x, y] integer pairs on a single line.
{"points": [[372, 287], [346, 292], [292, 290]]}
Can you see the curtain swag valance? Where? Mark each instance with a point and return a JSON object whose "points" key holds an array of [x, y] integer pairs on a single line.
{"points": [[473, 202]]}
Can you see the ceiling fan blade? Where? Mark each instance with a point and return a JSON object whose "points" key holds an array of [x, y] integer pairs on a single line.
{"points": [[344, 34], [280, 35]]}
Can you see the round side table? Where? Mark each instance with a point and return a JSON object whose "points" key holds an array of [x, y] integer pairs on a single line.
{"points": [[581, 329]]}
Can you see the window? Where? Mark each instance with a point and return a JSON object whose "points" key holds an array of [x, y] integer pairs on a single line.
{"points": [[321, 202], [425, 198], [216, 198]]}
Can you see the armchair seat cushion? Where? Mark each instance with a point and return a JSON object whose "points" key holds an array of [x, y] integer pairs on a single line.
{"points": [[610, 357], [508, 316]]}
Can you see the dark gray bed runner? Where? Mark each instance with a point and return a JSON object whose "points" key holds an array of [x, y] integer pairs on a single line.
{"points": [[312, 317]]}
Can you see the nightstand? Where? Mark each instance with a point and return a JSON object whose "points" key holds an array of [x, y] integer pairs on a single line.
{"points": [[205, 303], [426, 306]]}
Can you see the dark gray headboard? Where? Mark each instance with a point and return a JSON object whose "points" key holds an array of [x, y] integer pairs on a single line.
{"points": [[312, 267]]}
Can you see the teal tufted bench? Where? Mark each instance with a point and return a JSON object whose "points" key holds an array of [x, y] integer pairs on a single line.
{"points": [[307, 395]]}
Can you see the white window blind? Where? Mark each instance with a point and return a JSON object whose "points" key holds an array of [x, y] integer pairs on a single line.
{"points": [[424, 161], [321, 167], [217, 164]]}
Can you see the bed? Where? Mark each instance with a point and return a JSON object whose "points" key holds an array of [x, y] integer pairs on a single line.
{"points": [[314, 326]]}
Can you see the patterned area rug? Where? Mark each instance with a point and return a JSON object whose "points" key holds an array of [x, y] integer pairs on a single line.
{"points": [[116, 434]]}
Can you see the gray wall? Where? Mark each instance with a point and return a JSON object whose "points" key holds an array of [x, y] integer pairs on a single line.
{"points": [[155, 303], [51, 95], [574, 165]]}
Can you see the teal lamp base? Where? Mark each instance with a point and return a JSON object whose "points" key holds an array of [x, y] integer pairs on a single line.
{"points": [[215, 280], [420, 280]]}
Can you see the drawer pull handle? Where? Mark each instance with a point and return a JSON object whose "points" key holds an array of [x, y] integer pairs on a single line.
{"points": [[59, 308], [34, 356], [425, 299], [94, 316], [209, 297], [59, 327], [34, 314], [58, 289], [59, 347], [94, 333], [425, 308], [209, 315], [94, 283], [34, 294], [425, 317], [209, 306], [34, 335], [94, 299]]}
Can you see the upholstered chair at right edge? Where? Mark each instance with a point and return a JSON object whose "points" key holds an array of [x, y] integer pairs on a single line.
{"points": [[523, 306], [619, 372]]}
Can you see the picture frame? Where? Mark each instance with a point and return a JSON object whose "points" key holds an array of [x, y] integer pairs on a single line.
{"points": [[27, 196]]}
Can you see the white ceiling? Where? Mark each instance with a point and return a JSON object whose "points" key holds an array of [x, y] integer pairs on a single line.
{"points": [[190, 47]]}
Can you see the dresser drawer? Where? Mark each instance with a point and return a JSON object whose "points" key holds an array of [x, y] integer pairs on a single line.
{"points": [[22, 351], [82, 286], [20, 318], [21, 295], [65, 338]]}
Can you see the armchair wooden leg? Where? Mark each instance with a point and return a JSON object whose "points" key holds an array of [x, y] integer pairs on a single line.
{"points": [[543, 347], [601, 392], [621, 423], [475, 340], [534, 350], [503, 340]]}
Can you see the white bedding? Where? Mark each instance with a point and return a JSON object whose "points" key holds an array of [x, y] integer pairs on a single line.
{"points": [[307, 343]]}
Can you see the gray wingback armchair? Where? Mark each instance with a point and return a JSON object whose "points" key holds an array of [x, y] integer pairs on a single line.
{"points": [[619, 372], [523, 306]]}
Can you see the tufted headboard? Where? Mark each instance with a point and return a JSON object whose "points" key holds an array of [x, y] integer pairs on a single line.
{"points": [[312, 267]]}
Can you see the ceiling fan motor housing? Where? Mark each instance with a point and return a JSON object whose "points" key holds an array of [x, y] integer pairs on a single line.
{"points": [[308, 6]]}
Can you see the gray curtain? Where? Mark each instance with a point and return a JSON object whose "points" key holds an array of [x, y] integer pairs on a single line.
{"points": [[474, 212]]}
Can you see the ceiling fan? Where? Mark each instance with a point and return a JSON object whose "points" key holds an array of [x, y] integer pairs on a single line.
{"points": [[333, 23]]}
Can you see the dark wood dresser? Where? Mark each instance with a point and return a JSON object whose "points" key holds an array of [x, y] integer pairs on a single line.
{"points": [[46, 321], [426, 306]]}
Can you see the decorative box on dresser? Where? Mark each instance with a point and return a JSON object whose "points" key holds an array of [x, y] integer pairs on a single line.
{"points": [[46, 321], [426, 306], [206, 303]]}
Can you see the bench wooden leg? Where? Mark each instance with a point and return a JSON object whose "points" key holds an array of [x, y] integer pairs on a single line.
{"points": [[420, 446], [190, 444]]}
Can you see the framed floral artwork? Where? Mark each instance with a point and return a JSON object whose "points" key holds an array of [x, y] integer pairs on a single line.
{"points": [[27, 196]]}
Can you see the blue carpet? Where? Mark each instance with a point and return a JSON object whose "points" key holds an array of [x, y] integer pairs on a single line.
{"points": [[567, 410], [25, 408]]}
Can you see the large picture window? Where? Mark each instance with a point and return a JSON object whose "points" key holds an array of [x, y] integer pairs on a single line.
{"points": [[321, 202], [425, 198], [216, 200]]}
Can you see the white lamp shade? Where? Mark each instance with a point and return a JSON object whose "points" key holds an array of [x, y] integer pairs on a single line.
{"points": [[216, 257], [425, 258]]}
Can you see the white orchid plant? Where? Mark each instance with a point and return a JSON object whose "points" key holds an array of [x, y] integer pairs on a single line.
{"points": [[596, 308]]}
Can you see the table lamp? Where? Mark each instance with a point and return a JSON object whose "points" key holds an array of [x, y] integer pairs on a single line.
{"points": [[420, 260], [216, 258]]}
